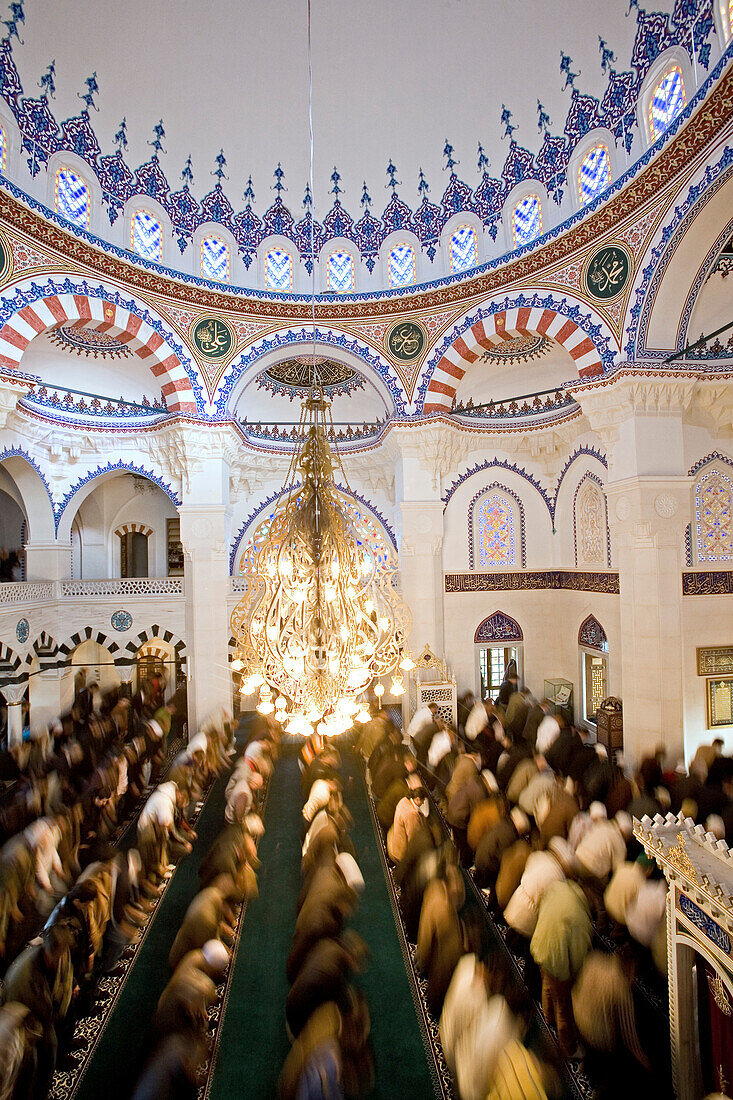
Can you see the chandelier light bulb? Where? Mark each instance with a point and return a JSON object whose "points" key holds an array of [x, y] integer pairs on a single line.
{"points": [[379, 690], [398, 686], [237, 665], [407, 664]]}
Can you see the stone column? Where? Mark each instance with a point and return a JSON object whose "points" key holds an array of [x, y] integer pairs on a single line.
{"points": [[205, 534], [14, 694], [640, 417], [47, 561], [45, 696], [419, 522]]}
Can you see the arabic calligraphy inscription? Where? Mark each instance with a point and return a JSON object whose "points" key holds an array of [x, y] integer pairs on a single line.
{"points": [[212, 337], [607, 272], [406, 340]]}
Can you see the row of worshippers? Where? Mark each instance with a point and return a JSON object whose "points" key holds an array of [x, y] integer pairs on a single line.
{"points": [[52, 983], [483, 1017], [178, 1041], [545, 823], [327, 1017]]}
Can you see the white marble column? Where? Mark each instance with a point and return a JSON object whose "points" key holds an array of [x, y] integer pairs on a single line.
{"points": [[14, 694], [419, 522], [47, 561], [205, 534]]}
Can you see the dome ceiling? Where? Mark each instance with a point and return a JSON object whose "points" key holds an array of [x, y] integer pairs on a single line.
{"points": [[391, 81]]}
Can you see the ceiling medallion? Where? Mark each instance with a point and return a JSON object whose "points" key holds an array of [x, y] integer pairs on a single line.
{"points": [[520, 349], [405, 340], [88, 341], [293, 377], [212, 337]]}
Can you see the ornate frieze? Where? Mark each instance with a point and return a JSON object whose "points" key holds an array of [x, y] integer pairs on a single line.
{"points": [[708, 582], [529, 579]]}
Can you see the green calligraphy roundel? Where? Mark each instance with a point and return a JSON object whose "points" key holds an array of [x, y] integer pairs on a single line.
{"points": [[212, 337], [607, 272], [406, 340]]}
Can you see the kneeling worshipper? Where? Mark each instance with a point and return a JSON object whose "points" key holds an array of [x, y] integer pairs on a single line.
{"points": [[324, 976], [209, 917]]}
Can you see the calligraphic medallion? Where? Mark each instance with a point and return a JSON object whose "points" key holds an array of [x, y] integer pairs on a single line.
{"points": [[212, 337], [405, 340], [607, 272]]}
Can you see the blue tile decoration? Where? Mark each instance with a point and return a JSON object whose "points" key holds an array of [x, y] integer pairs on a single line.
{"points": [[121, 620], [22, 630], [706, 924]]}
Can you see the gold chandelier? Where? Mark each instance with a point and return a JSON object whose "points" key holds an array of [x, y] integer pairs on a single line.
{"points": [[321, 617]]}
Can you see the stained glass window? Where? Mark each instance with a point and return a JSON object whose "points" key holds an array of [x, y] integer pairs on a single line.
{"points": [[527, 220], [215, 259], [590, 525], [463, 249], [401, 266], [278, 269], [341, 272], [4, 145], [714, 517], [595, 174], [146, 236], [72, 196], [494, 525], [667, 101]]}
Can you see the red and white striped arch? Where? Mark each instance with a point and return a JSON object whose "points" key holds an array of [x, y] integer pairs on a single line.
{"points": [[86, 312], [495, 329]]}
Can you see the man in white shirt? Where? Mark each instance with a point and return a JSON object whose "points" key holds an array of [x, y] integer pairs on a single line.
{"points": [[421, 719], [603, 848], [478, 719]]}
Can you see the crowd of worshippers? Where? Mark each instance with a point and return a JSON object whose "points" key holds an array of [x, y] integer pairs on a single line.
{"points": [[178, 1042], [70, 901], [327, 1017], [542, 819]]}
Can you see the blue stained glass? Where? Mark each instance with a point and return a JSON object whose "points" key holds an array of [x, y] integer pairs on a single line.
{"points": [[527, 220], [463, 249], [215, 259], [278, 269], [340, 272], [146, 236], [402, 268], [595, 174], [667, 101], [495, 535], [72, 197]]}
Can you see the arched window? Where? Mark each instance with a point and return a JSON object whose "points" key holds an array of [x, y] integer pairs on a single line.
{"points": [[215, 259], [72, 196], [594, 174], [401, 265], [340, 272], [590, 524], [593, 645], [494, 532], [667, 101], [146, 236], [714, 517], [278, 269], [4, 147], [526, 220], [463, 249]]}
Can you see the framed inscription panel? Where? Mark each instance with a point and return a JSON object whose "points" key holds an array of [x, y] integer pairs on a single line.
{"points": [[720, 701]]}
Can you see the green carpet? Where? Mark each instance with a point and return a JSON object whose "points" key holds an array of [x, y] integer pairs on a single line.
{"points": [[115, 1063], [253, 1044]]}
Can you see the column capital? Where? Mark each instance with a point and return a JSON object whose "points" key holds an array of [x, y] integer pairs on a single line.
{"points": [[14, 693], [649, 510]]}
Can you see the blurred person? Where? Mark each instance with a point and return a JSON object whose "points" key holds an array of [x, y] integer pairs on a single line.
{"points": [[408, 819], [481, 1043], [324, 976], [603, 847], [603, 1008], [208, 917], [513, 862], [519, 1075], [465, 999], [494, 843], [18, 1035], [485, 814], [440, 934], [559, 945], [171, 1072], [543, 868]]}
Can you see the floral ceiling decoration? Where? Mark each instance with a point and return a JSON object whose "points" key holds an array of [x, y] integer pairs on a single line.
{"points": [[87, 341], [520, 349], [293, 377]]}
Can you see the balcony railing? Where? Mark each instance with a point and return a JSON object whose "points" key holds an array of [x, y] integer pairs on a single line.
{"points": [[39, 591]]}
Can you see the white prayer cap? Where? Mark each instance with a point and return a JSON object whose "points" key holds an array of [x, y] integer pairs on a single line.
{"points": [[624, 822], [198, 743], [714, 824], [597, 811], [155, 727], [349, 868], [489, 779], [254, 826], [601, 751], [215, 955], [521, 821]]}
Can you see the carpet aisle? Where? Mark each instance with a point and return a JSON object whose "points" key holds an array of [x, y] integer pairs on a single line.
{"points": [[112, 1068], [253, 1044]]}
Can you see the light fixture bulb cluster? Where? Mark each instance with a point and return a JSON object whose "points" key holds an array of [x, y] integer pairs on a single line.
{"points": [[321, 616]]}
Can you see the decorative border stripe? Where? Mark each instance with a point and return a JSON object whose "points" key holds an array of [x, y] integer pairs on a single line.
{"points": [[536, 579]]}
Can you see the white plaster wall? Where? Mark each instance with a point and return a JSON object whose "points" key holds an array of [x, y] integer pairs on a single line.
{"points": [[550, 621], [707, 621], [112, 504]]}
